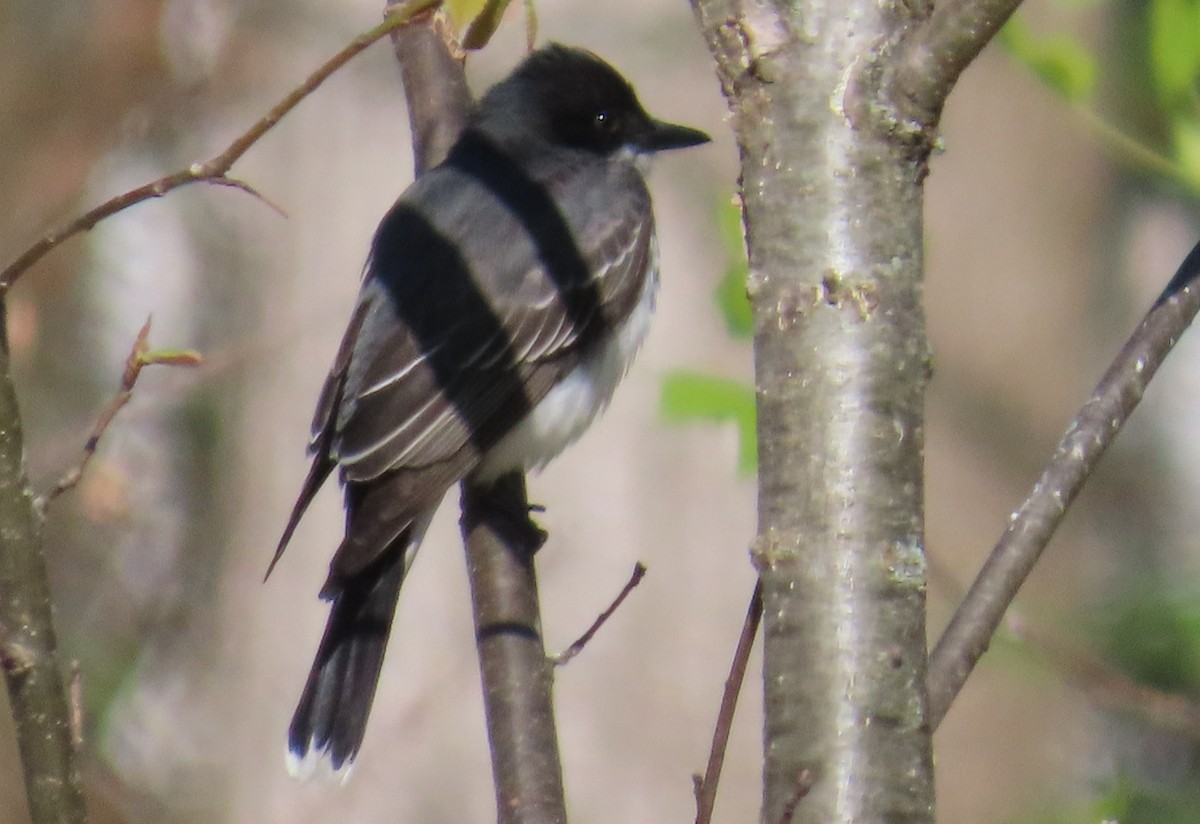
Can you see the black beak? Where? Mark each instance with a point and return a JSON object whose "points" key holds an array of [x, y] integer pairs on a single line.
{"points": [[660, 135]]}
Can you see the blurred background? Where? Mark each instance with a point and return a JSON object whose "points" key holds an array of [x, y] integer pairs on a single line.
{"points": [[1048, 236]]}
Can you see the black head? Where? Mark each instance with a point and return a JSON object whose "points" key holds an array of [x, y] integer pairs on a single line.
{"points": [[572, 98]]}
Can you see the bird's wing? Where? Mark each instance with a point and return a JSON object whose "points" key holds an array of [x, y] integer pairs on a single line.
{"points": [[447, 356], [323, 462]]}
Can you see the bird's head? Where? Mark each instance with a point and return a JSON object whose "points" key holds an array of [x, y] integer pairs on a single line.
{"points": [[570, 97]]}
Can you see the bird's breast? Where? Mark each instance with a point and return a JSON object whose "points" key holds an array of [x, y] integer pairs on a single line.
{"points": [[575, 401]]}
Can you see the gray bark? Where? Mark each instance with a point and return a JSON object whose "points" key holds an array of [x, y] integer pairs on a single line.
{"points": [[28, 649], [834, 234]]}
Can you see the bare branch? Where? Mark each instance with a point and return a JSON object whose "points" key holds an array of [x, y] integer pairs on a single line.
{"points": [[517, 676], [435, 86], [1031, 527], [214, 170], [28, 646], [500, 538], [706, 787], [531, 25], [639, 571], [901, 87], [929, 61], [139, 356], [234, 183]]}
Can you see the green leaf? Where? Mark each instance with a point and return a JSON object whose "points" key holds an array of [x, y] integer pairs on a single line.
{"points": [[462, 12], [1187, 149], [171, 357], [731, 299], [1058, 60], [730, 294], [477, 19], [1175, 49], [688, 397], [1154, 637]]}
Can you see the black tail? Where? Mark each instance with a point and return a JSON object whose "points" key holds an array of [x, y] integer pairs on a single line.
{"points": [[332, 715]]}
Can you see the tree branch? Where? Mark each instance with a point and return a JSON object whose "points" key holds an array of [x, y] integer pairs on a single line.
{"points": [[566, 656], [517, 676], [1095, 427], [929, 62], [435, 86], [706, 787], [28, 645], [216, 169], [139, 356], [904, 90], [500, 539]]}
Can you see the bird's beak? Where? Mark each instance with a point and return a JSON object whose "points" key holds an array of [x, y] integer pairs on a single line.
{"points": [[660, 135]]}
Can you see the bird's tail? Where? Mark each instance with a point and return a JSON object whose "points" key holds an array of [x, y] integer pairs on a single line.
{"points": [[331, 718]]}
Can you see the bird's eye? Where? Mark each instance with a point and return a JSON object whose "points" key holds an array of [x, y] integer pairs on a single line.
{"points": [[605, 122]]}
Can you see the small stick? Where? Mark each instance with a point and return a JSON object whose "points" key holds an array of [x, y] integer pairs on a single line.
{"points": [[639, 571], [139, 356], [706, 787], [214, 170]]}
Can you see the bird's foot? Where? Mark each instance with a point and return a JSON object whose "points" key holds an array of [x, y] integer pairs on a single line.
{"points": [[504, 508]]}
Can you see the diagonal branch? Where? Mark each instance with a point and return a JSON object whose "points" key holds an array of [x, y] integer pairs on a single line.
{"points": [[565, 657], [216, 169], [1031, 527], [706, 786]]}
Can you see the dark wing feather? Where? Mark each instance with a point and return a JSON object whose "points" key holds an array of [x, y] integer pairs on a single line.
{"points": [[329, 399]]}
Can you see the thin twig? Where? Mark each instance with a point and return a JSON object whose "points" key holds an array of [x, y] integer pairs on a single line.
{"points": [[73, 475], [214, 170], [639, 571], [235, 183], [1030, 528], [531, 25], [140, 355], [706, 787]]}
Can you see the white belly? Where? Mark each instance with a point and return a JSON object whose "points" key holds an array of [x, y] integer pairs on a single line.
{"points": [[570, 407]]}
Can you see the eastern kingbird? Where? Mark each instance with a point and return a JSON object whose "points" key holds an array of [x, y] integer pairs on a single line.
{"points": [[506, 292]]}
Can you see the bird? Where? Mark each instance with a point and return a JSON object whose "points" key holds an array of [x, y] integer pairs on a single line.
{"points": [[504, 296]]}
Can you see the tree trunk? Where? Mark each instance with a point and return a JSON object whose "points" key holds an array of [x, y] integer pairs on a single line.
{"points": [[834, 231]]}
